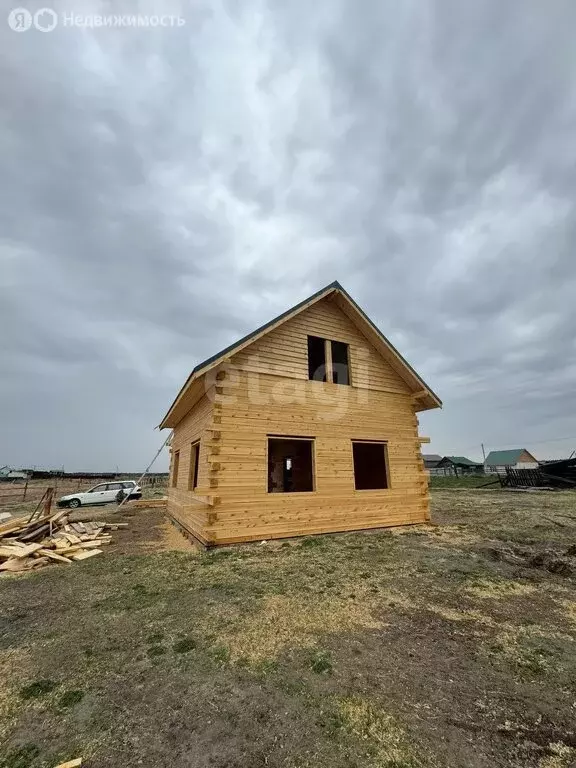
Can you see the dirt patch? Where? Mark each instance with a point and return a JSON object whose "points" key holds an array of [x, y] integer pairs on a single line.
{"points": [[561, 562], [148, 531]]}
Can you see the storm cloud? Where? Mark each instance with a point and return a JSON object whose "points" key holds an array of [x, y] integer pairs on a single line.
{"points": [[166, 190]]}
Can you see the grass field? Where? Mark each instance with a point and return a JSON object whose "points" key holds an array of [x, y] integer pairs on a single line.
{"points": [[425, 646], [463, 481]]}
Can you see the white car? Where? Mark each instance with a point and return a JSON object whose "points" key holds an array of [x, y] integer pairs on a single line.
{"points": [[104, 493]]}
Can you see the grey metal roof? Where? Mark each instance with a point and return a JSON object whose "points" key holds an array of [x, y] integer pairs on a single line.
{"points": [[248, 336]]}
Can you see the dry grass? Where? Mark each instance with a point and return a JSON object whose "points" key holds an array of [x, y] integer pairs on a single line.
{"points": [[284, 622], [570, 609], [489, 589], [389, 743], [13, 665], [349, 651], [562, 756]]}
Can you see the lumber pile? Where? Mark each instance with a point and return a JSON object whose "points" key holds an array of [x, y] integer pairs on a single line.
{"points": [[33, 543]]}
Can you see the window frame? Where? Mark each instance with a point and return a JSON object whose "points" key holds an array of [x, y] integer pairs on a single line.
{"points": [[326, 366], [348, 366], [328, 360], [384, 443], [175, 468], [305, 438], [193, 468]]}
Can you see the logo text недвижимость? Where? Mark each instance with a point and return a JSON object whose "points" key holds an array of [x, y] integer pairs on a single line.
{"points": [[46, 20]]}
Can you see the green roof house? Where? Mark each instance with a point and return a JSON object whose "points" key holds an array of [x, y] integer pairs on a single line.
{"points": [[458, 465], [516, 458]]}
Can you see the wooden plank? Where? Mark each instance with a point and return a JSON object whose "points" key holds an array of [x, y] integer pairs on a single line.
{"points": [[71, 550], [16, 526], [11, 526], [14, 564], [205, 500], [29, 549], [14, 551], [71, 763], [35, 533], [58, 515], [86, 555], [8, 551], [78, 527], [151, 503], [49, 553], [349, 527]]}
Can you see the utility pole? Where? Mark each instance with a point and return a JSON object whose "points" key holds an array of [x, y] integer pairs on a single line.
{"points": [[483, 452], [147, 468]]}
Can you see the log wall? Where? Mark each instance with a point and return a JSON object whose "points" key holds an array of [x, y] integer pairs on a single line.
{"points": [[264, 390]]}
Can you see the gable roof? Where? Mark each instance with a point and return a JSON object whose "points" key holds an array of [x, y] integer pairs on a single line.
{"points": [[430, 457], [462, 460], [355, 314], [505, 458]]}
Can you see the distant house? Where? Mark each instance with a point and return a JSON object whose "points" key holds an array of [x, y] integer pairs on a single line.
{"points": [[458, 465], [6, 473], [431, 460], [516, 458]]}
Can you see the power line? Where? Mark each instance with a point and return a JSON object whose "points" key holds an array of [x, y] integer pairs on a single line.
{"points": [[518, 442], [539, 442]]}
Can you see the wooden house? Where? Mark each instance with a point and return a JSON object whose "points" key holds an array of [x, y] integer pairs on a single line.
{"points": [[10, 475], [431, 461], [459, 465], [307, 425], [516, 458]]}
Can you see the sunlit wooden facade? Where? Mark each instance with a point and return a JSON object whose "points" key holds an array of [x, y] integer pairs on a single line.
{"points": [[309, 425]]}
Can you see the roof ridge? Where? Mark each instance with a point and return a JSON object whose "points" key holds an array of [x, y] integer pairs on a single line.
{"points": [[509, 453], [332, 287]]}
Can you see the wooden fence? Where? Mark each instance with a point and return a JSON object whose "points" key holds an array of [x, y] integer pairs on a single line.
{"points": [[561, 474], [32, 490], [19, 493]]}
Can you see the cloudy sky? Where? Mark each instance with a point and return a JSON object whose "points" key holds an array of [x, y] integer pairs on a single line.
{"points": [[165, 190]]}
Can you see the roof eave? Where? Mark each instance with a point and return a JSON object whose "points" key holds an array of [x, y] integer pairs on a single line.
{"points": [[211, 362], [434, 399]]}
